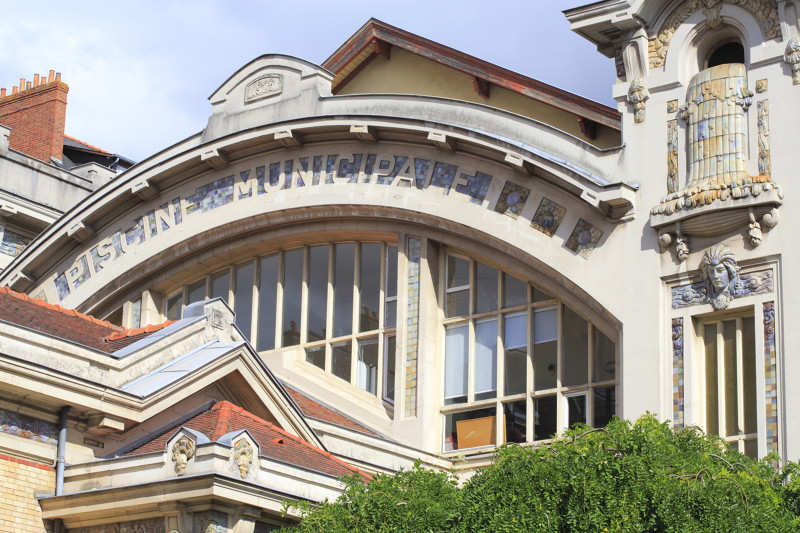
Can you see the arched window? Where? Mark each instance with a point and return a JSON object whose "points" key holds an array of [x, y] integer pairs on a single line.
{"points": [[729, 52]]}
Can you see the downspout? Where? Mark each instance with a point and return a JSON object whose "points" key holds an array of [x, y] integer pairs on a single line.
{"points": [[60, 460]]}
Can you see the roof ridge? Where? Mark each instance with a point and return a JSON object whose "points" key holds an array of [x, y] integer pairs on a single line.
{"points": [[86, 144], [223, 419], [229, 407], [58, 308], [130, 332]]}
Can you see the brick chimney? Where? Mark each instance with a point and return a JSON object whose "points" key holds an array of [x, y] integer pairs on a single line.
{"points": [[36, 112]]}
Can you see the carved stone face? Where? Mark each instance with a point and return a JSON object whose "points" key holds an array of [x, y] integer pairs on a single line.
{"points": [[719, 277]]}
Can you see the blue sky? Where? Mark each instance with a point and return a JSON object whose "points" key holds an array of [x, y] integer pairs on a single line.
{"points": [[140, 72]]}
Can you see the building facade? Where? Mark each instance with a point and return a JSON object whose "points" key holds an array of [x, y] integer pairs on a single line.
{"points": [[409, 253]]}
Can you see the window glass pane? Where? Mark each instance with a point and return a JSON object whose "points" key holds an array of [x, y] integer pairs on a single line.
{"points": [[604, 361], [469, 429], [604, 406], [712, 403], [515, 342], [317, 292], [368, 365], [174, 307], [243, 298], [455, 364], [197, 292], [545, 417], [540, 296], [136, 314], [749, 371], [344, 260], [545, 348], [485, 288], [576, 348], [576, 410], [457, 303], [267, 296], [486, 359], [292, 292], [342, 357], [457, 272], [220, 284], [515, 291], [730, 378], [390, 313], [545, 325], [316, 356], [751, 448], [369, 284], [390, 347], [515, 421]]}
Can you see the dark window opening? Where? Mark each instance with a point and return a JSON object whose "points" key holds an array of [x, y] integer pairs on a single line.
{"points": [[732, 52]]}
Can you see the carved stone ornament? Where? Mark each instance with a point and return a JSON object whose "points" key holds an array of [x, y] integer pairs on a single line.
{"points": [[793, 58], [269, 85], [721, 282], [182, 451], [637, 96], [243, 455], [764, 10]]}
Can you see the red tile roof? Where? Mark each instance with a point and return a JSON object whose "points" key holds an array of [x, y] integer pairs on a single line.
{"points": [[87, 145], [312, 409], [224, 417], [68, 324]]}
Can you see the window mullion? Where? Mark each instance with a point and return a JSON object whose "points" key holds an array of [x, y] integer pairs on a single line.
{"points": [[304, 296], [561, 412], [279, 301], [740, 392], [329, 311], [721, 378]]}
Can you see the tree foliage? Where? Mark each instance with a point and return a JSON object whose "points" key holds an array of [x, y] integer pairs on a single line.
{"points": [[627, 477]]}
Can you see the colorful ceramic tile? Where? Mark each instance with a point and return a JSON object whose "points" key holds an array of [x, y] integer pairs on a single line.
{"points": [[584, 238], [677, 373], [548, 217], [770, 377], [412, 326], [13, 243], [28, 427], [512, 199]]}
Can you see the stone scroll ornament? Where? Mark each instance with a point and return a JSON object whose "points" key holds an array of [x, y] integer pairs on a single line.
{"points": [[721, 282], [182, 452], [243, 455], [793, 58], [638, 96]]}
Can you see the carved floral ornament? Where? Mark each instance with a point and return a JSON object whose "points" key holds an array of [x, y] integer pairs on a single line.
{"points": [[182, 452], [721, 281], [638, 96], [764, 10]]}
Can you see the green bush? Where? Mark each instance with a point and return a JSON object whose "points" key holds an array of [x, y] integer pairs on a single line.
{"points": [[627, 477]]}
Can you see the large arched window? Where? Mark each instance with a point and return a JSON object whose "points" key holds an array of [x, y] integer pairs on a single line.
{"points": [[519, 366]]}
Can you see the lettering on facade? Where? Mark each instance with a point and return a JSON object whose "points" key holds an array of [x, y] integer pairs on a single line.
{"points": [[269, 85], [399, 171]]}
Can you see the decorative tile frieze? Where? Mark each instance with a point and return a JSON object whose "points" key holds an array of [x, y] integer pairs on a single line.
{"points": [[697, 293], [678, 397], [584, 238], [148, 525], [770, 377], [672, 156], [210, 522], [548, 217], [512, 199], [28, 427], [672, 106], [13, 243], [762, 86], [763, 138]]}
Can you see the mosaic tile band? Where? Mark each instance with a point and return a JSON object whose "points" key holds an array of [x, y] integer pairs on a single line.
{"points": [[678, 398], [770, 377], [412, 327]]}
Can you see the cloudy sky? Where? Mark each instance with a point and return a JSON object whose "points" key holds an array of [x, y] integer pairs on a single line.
{"points": [[140, 72]]}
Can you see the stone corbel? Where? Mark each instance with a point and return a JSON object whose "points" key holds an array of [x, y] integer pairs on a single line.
{"points": [[638, 96]]}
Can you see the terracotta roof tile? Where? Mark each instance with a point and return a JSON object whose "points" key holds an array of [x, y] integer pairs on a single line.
{"points": [[87, 145], [68, 324], [313, 409], [224, 417]]}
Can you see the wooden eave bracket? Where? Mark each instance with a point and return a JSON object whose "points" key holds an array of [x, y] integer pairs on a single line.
{"points": [[588, 128], [144, 189], [20, 281], [481, 86], [364, 133], [381, 48], [215, 158], [288, 139], [101, 422]]}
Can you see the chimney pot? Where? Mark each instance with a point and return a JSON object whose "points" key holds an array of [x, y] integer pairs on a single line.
{"points": [[22, 84], [2, 92], [58, 76], [35, 80], [52, 76], [14, 90], [28, 85]]}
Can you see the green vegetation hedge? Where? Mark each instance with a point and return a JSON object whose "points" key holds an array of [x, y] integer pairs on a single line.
{"points": [[628, 477]]}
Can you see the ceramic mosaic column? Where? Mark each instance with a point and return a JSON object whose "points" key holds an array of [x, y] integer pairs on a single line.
{"points": [[677, 373], [770, 377], [412, 326]]}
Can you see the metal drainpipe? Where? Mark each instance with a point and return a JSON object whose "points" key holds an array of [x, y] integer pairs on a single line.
{"points": [[60, 459]]}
